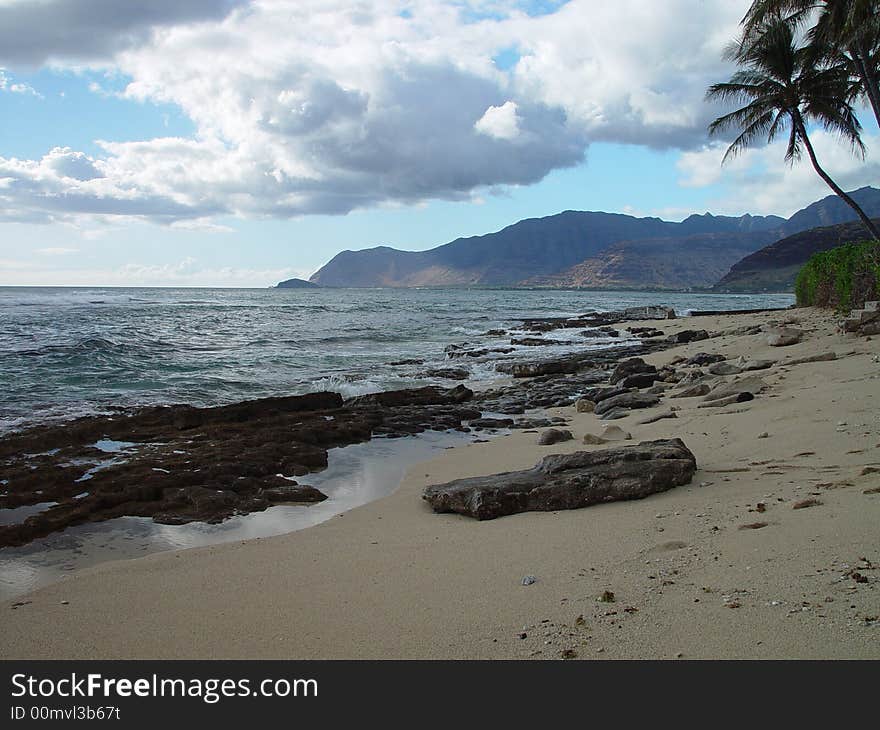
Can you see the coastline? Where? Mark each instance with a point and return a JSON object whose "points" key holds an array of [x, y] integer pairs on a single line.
{"points": [[390, 579]]}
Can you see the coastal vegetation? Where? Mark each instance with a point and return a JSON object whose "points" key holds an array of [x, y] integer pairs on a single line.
{"points": [[844, 277]]}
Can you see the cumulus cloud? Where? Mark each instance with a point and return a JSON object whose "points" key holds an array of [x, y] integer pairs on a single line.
{"points": [[35, 31], [760, 182], [327, 106], [500, 122]]}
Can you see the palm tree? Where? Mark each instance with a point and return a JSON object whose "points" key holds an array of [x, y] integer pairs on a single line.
{"points": [[845, 31], [782, 88]]}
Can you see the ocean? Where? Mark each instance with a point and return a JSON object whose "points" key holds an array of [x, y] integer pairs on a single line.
{"points": [[68, 352]]}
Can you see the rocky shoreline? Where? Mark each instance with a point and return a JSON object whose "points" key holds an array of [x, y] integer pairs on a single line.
{"points": [[756, 539], [180, 464]]}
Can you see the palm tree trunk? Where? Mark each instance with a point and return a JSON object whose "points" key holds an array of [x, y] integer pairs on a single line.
{"points": [[869, 79], [867, 222]]}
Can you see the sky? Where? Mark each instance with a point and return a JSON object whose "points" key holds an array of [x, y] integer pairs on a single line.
{"points": [[242, 142]]}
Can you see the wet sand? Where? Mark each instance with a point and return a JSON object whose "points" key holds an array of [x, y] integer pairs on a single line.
{"points": [[391, 579]]}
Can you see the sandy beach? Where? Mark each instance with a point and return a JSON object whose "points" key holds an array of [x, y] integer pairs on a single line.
{"points": [[391, 579]]}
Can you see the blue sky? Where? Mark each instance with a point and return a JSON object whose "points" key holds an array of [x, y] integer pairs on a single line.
{"points": [[234, 143]]}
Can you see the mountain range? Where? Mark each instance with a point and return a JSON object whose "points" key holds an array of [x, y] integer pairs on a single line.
{"points": [[591, 250], [774, 268]]}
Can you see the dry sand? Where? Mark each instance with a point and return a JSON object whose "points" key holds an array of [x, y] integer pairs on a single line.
{"points": [[393, 580]]}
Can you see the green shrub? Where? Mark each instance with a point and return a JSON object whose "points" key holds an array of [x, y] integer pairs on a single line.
{"points": [[843, 277]]}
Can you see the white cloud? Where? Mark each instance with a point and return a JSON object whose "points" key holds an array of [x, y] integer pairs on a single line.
{"points": [[327, 106], [185, 272], [500, 122], [759, 181], [7, 84], [57, 251], [34, 31]]}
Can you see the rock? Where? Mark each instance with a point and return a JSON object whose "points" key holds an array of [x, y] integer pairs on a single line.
{"points": [[528, 581], [645, 332], [783, 336], [692, 391], [448, 373], [653, 311], [530, 423], [872, 328], [293, 493], [615, 433], [429, 395], [639, 380], [614, 414], [724, 368], [591, 439], [481, 423], [554, 436], [821, 357], [685, 336], [495, 333], [597, 395], [628, 401], [536, 369], [657, 417], [584, 405], [600, 332], [763, 435], [704, 358], [750, 365], [630, 367], [192, 464], [728, 400], [750, 384], [531, 341], [570, 481]]}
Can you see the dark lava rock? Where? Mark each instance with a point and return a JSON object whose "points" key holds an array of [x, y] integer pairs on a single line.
{"points": [[448, 373], [645, 331], [639, 380], [597, 395], [190, 464], [481, 423], [554, 436], [685, 336], [704, 358], [569, 481], [294, 492], [531, 341], [542, 367], [626, 400], [483, 352], [630, 367], [429, 395]]}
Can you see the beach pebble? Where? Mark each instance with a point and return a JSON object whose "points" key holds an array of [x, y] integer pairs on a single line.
{"points": [[783, 336], [615, 433], [591, 439], [763, 435], [529, 580], [584, 405], [554, 436]]}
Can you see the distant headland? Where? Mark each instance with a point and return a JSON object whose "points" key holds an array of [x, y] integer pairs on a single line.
{"points": [[298, 284]]}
